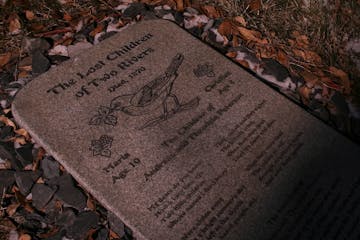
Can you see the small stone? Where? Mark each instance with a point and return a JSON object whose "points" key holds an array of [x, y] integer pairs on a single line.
{"points": [[6, 180], [41, 195], [24, 154], [116, 224], [34, 221], [192, 10], [66, 218], [25, 180], [32, 45], [57, 59], [5, 79], [196, 31], [59, 50], [179, 17], [6, 132], [50, 167], [82, 224], [58, 236], [169, 16], [40, 63], [209, 25], [68, 192], [6, 153], [102, 234], [340, 103], [134, 10]]}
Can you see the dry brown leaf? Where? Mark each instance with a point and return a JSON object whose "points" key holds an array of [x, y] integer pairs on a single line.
{"points": [[301, 40], [308, 56], [240, 20], [113, 235], [180, 5], [235, 41], [266, 51], [313, 57], [67, 17], [91, 204], [299, 53], [331, 84], [210, 11], [7, 121], [23, 133], [231, 54], [304, 92], [14, 24], [27, 68], [343, 76], [310, 78], [251, 35], [40, 155], [97, 30], [37, 27], [283, 58], [20, 140], [243, 63], [25, 237], [29, 15], [5, 58], [225, 28], [11, 209], [23, 74], [255, 5]]}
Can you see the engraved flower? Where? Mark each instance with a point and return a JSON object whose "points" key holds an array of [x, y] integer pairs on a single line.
{"points": [[104, 115], [205, 69], [102, 146]]}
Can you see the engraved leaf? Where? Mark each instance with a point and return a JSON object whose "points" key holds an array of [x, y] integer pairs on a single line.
{"points": [[110, 120], [96, 120], [103, 110], [106, 153]]}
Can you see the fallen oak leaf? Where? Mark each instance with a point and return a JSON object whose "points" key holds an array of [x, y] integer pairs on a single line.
{"points": [[29, 15], [23, 133], [210, 11], [5, 58], [283, 58], [225, 28], [231, 54], [14, 24], [304, 92], [343, 76], [40, 155], [331, 84], [113, 235], [179, 5], [67, 17], [11, 209], [7, 121], [310, 78], [301, 40], [240, 20], [25, 237], [255, 5], [251, 35], [266, 51]]}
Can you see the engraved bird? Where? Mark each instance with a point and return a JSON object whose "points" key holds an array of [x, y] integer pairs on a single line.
{"points": [[155, 94]]}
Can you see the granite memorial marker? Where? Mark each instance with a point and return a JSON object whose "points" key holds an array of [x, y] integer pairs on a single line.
{"points": [[182, 144]]}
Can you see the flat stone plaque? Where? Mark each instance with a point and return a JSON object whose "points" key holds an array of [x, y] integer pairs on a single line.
{"points": [[183, 144]]}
